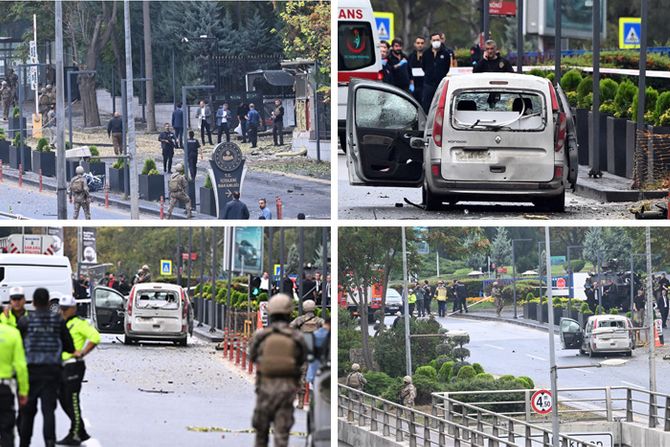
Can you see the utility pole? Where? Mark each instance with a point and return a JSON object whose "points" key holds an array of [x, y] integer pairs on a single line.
{"points": [[519, 36], [552, 354], [641, 89], [408, 346], [650, 318], [148, 68], [60, 116], [557, 41], [134, 197]]}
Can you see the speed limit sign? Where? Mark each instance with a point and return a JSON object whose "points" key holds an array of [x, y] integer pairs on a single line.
{"points": [[540, 402]]}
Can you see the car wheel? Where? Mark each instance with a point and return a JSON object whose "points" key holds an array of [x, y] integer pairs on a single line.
{"points": [[127, 340], [182, 341], [552, 204], [432, 201], [629, 354], [581, 351]]}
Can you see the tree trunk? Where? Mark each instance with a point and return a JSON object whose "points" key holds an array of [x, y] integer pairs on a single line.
{"points": [[149, 70], [89, 100], [363, 311], [407, 23]]}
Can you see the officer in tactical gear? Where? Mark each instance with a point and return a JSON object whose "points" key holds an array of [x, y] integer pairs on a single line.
{"points": [[51, 95], [85, 339], [408, 392], [6, 95], [355, 378], [496, 293], [306, 323], [279, 353], [178, 185], [79, 194], [44, 104]]}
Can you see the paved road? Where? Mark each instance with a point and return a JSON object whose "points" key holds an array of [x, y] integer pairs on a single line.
{"points": [[361, 202], [151, 394]]}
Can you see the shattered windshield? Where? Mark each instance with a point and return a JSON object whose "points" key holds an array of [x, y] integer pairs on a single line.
{"points": [[378, 109], [498, 110]]}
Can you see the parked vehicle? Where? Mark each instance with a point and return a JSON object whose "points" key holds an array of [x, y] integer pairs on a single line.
{"points": [[358, 54], [31, 244], [152, 311], [487, 136], [601, 334], [54, 273], [394, 302]]}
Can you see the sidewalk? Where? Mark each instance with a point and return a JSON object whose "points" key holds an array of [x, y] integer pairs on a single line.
{"points": [[612, 188]]}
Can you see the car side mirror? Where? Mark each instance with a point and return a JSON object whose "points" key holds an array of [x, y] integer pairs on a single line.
{"points": [[417, 143]]}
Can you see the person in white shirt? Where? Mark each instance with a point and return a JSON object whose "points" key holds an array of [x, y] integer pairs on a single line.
{"points": [[203, 115], [222, 117]]}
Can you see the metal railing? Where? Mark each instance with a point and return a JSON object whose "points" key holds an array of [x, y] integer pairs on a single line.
{"points": [[401, 423], [611, 403]]}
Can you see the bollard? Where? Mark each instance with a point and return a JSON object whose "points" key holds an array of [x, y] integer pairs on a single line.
{"points": [[40, 179], [237, 353], [225, 343], [20, 175], [162, 208], [279, 208], [305, 400], [250, 370], [232, 347], [107, 195], [0, 171], [244, 353]]}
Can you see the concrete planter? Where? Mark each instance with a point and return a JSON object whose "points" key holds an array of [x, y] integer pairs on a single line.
{"points": [[4, 152], [631, 138], [543, 313], [152, 187], [46, 161], [14, 126], [582, 122], [616, 146], [15, 158], [601, 151], [207, 201], [558, 314], [117, 179]]}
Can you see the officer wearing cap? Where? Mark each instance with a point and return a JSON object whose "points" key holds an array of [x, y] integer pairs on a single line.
{"points": [[279, 353], [16, 308], [306, 324], [12, 362], [85, 339]]}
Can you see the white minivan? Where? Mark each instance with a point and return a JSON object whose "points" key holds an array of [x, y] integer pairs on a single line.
{"points": [[53, 273], [602, 334], [487, 136], [152, 311]]}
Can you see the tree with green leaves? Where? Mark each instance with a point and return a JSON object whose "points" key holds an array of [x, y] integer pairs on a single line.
{"points": [[501, 248]]}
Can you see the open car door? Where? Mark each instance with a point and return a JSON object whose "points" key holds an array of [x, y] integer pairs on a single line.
{"points": [[108, 308], [383, 123], [571, 334], [572, 144]]}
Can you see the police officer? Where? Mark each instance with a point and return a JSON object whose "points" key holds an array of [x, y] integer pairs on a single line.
{"points": [[435, 62], [16, 308], [306, 323], [12, 362], [44, 104], [80, 194], [85, 339], [279, 353], [192, 146], [492, 61], [408, 392], [496, 293], [45, 338], [168, 143], [6, 95], [178, 185]]}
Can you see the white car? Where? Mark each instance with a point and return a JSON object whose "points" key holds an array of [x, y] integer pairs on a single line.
{"points": [[487, 136], [152, 311], [393, 301], [601, 334]]}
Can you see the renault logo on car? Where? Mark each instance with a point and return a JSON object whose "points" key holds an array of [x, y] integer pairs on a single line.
{"points": [[498, 139]]}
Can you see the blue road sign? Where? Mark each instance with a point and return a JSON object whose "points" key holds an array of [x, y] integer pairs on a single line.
{"points": [[629, 32], [166, 267], [384, 22]]}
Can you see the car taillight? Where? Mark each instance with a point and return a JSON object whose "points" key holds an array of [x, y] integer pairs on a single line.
{"points": [[130, 303], [439, 116], [554, 99], [558, 172], [435, 169], [561, 132], [380, 75], [184, 305], [595, 324]]}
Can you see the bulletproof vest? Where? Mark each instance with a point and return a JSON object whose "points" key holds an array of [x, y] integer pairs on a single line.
{"points": [[354, 380], [309, 324], [77, 185], [278, 355], [173, 183], [42, 339]]}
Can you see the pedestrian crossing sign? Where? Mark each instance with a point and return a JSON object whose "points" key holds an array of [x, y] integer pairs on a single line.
{"points": [[385, 23], [166, 267], [629, 32]]}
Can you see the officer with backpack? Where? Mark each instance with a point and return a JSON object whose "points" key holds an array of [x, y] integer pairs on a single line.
{"points": [[178, 185], [306, 324], [279, 352], [355, 378], [79, 194]]}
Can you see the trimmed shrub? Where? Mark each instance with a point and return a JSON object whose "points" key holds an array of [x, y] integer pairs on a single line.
{"points": [[445, 371], [457, 367], [378, 382], [551, 76], [485, 376], [571, 79], [623, 100], [427, 371], [577, 265], [149, 166], [662, 106], [478, 368], [650, 98], [441, 360], [506, 377], [43, 145], [466, 372], [608, 108], [425, 386], [608, 88], [392, 393], [537, 72], [584, 87], [573, 99]]}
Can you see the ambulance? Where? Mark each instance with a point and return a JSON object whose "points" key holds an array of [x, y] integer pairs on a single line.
{"points": [[358, 54]]}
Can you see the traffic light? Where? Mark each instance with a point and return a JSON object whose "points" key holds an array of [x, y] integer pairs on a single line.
{"points": [[254, 285]]}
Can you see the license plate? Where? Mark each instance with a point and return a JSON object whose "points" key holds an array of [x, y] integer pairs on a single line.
{"points": [[483, 155]]}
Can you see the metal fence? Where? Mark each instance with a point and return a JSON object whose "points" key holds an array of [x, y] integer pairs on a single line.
{"points": [[471, 426]]}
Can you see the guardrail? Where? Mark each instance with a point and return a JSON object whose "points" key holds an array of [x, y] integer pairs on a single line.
{"points": [[390, 419], [635, 405]]}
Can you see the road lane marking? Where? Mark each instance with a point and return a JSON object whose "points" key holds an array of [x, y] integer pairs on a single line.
{"points": [[495, 347], [584, 371], [536, 357], [631, 384]]}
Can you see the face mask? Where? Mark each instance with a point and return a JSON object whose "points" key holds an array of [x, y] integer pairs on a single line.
{"points": [[436, 45]]}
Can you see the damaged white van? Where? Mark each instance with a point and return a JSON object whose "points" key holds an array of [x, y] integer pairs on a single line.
{"points": [[487, 137]]}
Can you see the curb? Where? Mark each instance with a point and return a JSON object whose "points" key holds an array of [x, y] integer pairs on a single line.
{"points": [[611, 195], [516, 322], [203, 332]]}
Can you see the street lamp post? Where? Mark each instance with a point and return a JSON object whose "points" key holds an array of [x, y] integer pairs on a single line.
{"points": [[408, 346], [514, 272]]}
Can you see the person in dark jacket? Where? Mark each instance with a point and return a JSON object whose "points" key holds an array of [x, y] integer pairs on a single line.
{"points": [[399, 66], [168, 144], [387, 73], [236, 209], [278, 123], [415, 61], [178, 125], [45, 338], [492, 61], [115, 132], [192, 146], [254, 120], [223, 117], [435, 64], [242, 111]]}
